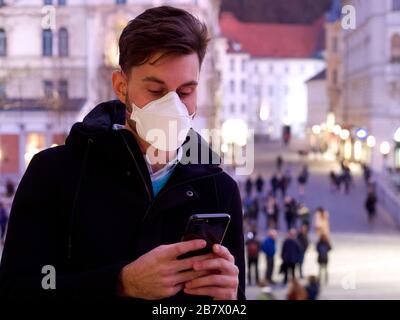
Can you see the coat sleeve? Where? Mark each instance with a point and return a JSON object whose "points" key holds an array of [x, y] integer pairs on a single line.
{"points": [[234, 239], [31, 244]]}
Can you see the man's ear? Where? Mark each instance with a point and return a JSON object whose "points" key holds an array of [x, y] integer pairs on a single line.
{"points": [[120, 85]]}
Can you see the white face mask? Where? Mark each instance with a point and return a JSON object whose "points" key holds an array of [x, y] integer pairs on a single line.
{"points": [[164, 123]]}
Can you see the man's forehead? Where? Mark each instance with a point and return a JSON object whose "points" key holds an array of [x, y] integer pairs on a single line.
{"points": [[182, 69]]}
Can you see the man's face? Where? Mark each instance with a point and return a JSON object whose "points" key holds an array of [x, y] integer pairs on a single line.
{"points": [[157, 77]]}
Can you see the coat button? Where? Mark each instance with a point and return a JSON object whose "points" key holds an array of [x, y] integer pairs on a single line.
{"points": [[189, 193], [128, 173]]}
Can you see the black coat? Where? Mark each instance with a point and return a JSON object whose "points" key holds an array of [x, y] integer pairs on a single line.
{"points": [[87, 208]]}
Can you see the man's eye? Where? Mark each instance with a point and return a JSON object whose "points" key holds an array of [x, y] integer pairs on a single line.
{"points": [[184, 94], [155, 91]]}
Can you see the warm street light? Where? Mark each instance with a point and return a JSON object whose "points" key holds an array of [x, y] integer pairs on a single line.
{"points": [[337, 129], [316, 129], [371, 141], [344, 134], [385, 148], [397, 135]]}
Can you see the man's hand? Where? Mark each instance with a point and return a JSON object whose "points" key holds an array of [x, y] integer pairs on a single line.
{"points": [[158, 274], [223, 283]]}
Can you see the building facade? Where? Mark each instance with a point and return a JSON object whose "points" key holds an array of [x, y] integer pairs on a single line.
{"points": [[371, 78], [264, 68], [56, 59]]}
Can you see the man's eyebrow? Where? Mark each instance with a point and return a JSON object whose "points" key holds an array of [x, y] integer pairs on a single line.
{"points": [[159, 81]]}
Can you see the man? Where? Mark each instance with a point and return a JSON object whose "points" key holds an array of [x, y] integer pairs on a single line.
{"points": [[104, 211], [290, 255], [269, 248]]}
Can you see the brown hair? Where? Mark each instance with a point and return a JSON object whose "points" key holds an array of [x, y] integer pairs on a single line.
{"points": [[161, 29]]}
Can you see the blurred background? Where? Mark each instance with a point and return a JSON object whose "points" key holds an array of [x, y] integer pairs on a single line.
{"points": [[317, 81]]}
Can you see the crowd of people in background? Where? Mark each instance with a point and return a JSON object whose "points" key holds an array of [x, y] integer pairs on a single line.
{"points": [[298, 220], [6, 197]]}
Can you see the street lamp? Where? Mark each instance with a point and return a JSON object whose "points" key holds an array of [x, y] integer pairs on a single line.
{"points": [[371, 142], [344, 134], [316, 129], [234, 132], [385, 150]]}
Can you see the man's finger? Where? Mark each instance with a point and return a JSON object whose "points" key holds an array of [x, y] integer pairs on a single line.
{"points": [[220, 264], [214, 280], [172, 251], [183, 277], [186, 264], [223, 252], [215, 292]]}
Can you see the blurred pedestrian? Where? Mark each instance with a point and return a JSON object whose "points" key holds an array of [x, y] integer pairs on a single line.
{"points": [[279, 162], [260, 184], [253, 250], [249, 186], [303, 179], [271, 210], [347, 179], [290, 212], [274, 184], [3, 221], [321, 222], [302, 239], [290, 255], [334, 181], [323, 248], [303, 214], [367, 173], [269, 248], [312, 288], [370, 203], [286, 180], [296, 291]]}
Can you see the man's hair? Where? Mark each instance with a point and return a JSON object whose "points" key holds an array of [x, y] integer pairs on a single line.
{"points": [[162, 29]]}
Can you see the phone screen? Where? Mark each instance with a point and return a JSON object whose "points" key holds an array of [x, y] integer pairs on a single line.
{"points": [[209, 227]]}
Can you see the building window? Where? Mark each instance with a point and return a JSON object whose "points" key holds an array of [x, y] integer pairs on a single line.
{"points": [[120, 1], [63, 42], [243, 86], [271, 90], [243, 66], [335, 44], [1, 3], [3, 43], [334, 77], [286, 69], [62, 2], [47, 43], [2, 90], [232, 86], [232, 108], [395, 48], [271, 68], [243, 108], [48, 2], [48, 88], [232, 65], [256, 68], [63, 89], [396, 5], [286, 90]]}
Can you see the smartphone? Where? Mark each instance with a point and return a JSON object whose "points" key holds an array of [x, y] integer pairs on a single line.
{"points": [[210, 227]]}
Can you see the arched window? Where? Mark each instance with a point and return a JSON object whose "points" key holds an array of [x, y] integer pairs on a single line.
{"points": [[395, 48], [3, 43], [396, 5], [47, 43], [63, 42]]}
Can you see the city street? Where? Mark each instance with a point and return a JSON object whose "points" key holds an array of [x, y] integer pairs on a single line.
{"points": [[365, 259]]}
